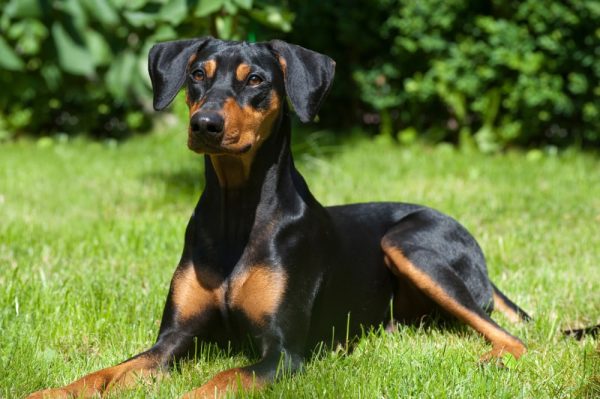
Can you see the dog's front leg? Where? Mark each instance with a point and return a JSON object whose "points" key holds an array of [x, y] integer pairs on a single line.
{"points": [[122, 375], [267, 299], [189, 313], [273, 365]]}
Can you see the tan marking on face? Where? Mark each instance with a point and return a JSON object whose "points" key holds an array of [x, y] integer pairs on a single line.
{"points": [[283, 64], [210, 67], [244, 126], [502, 342], [247, 125], [192, 58], [228, 380], [503, 307], [258, 291], [190, 296], [242, 72], [195, 107]]}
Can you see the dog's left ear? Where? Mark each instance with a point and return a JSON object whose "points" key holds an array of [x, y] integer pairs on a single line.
{"points": [[308, 77], [167, 64]]}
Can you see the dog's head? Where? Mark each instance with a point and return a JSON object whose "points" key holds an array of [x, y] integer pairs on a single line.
{"points": [[235, 90]]}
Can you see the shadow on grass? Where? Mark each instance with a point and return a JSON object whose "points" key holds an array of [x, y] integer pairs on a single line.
{"points": [[182, 183], [307, 145]]}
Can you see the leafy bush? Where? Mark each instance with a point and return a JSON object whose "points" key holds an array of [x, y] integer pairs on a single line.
{"points": [[349, 32], [488, 73], [72, 66], [503, 72]]}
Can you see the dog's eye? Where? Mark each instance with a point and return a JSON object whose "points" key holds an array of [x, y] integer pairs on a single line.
{"points": [[198, 75], [254, 80]]}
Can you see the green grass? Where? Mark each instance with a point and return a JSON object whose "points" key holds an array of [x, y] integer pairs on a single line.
{"points": [[90, 234]]}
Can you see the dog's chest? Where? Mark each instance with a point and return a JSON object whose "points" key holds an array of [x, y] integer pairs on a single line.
{"points": [[256, 291], [253, 291]]}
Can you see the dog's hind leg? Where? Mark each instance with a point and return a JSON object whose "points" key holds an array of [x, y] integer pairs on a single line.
{"points": [[421, 249]]}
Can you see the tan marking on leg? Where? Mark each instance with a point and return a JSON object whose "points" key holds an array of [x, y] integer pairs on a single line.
{"points": [[502, 342], [94, 384], [192, 294], [242, 72], [244, 126], [258, 292], [228, 380], [210, 67], [503, 307]]}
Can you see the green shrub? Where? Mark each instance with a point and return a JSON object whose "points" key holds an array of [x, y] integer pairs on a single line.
{"points": [[488, 73], [75, 66], [504, 72]]}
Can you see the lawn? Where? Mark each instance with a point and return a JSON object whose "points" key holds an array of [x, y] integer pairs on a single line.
{"points": [[90, 233]]}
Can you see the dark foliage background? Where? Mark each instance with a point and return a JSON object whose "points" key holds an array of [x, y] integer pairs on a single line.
{"points": [[489, 74]]}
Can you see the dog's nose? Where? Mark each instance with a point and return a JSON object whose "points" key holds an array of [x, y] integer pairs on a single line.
{"points": [[210, 123]]}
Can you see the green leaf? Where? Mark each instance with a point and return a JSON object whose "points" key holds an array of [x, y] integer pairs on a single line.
{"points": [[120, 75], [229, 7], [52, 76], [139, 19], [131, 4], [140, 88], [23, 9], [245, 4], [163, 33], [102, 11], [98, 48], [29, 35], [72, 56], [274, 17], [8, 58], [224, 26], [174, 11], [207, 7], [77, 14]]}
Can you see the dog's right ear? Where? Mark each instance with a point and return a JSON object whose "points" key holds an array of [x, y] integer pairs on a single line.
{"points": [[167, 64]]}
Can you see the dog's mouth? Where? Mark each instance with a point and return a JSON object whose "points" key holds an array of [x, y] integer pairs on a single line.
{"points": [[204, 145]]}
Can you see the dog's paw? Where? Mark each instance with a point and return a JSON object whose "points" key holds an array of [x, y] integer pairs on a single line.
{"points": [[49, 394]]}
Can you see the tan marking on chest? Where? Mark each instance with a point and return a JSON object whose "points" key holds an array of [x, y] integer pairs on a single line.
{"points": [[258, 292], [192, 295], [242, 72]]}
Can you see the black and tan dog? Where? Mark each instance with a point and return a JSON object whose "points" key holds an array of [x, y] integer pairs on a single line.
{"points": [[263, 259]]}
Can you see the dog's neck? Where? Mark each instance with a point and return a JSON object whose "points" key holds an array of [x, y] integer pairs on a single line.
{"points": [[240, 196]]}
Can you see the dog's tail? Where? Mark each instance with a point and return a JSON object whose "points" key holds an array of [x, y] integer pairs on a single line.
{"points": [[579, 333], [515, 314], [508, 307]]}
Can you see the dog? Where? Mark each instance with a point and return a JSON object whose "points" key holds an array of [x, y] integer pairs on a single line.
{"points": [[262, 259]]}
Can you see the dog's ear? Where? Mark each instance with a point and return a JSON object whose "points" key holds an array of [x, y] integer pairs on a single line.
{"points": [[167, 63], [308, 77]]}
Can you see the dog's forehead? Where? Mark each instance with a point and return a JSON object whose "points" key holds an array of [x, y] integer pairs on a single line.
{"points": [[231, 54]]}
